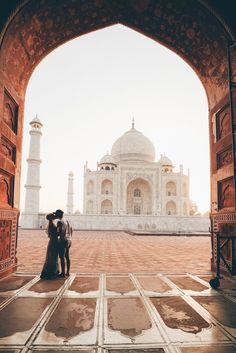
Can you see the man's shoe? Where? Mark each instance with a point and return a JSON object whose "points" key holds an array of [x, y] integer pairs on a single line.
{"points": [[61, 275]]}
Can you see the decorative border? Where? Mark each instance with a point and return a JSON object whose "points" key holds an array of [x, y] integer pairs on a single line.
{"points": [[13, 216]]}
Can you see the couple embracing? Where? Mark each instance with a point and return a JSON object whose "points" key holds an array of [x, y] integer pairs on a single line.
{"points": [[59, 234]]}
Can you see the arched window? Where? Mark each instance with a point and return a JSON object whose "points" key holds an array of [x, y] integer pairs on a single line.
{"points": [[106, 207], [171, 208], [137, 193], [171, 189], [107, 168], [112, 168]]}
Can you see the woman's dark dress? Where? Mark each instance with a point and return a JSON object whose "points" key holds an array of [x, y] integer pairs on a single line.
{"points": [[50, 267]]}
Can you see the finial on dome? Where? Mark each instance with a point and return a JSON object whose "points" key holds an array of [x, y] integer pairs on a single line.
{"points": [[133, 123]]}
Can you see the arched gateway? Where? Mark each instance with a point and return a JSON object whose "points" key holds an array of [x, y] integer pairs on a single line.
{"points": [[193, 29]]}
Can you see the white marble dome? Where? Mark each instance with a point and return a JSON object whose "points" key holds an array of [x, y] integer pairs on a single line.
{"points": [[107, 159], [133, 145]]}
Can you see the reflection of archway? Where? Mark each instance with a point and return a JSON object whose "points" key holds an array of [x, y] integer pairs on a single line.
{"points": [[106, 207], [29, 35], [106, 186], [171, 208], [139, 197], [171, 188]]}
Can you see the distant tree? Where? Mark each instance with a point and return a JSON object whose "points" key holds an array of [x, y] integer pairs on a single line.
{"points": [[193, 209]]}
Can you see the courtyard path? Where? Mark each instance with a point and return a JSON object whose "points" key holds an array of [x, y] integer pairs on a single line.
{"points": [[109, 251]]}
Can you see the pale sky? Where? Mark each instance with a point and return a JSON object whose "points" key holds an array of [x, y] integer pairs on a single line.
{"points": [[86, 93]]}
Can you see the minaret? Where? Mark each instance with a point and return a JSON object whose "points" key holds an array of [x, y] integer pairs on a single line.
{"points": [[70, 193], [32, 185]]}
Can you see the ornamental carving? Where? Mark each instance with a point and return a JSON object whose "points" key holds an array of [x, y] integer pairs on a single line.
{"points": [[223, 123], [10, 113], [5, 239], [226, 193], [224, 158], [8, 238], [8, 150], [5, 190]]}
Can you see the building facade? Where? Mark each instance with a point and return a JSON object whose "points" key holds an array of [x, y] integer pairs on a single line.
{"points": [[130, 182], [129, 191]]}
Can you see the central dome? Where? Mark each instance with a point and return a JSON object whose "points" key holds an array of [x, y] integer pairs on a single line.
{"points": [[133, 145]]}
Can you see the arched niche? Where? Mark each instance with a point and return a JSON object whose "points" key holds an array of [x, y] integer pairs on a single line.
{"points": [[106, 187], [106, 207], [139, 204], [171, 208], [171, 188], [90, 187]]}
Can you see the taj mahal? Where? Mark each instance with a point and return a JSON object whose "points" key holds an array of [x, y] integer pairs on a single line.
{"points": [[130, 182], [129, 190]]}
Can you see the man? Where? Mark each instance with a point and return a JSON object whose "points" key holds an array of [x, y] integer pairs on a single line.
{"points": [[64, 232]]}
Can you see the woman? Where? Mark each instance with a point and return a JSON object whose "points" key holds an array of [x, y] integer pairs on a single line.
{"points": [[50, 267]]}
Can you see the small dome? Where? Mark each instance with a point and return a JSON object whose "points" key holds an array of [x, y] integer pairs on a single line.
{"points": [[107, 159], [37, 121], [133, 145], [165, 161], [71, 174]]}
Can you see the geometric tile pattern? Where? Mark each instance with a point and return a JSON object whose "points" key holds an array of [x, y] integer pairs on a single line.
{"points": [[117, 313], [114, 251]]}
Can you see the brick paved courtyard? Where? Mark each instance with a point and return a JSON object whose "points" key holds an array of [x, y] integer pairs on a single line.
{"points": [[109, 251]]}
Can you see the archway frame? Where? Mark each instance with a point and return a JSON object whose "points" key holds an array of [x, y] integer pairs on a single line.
{"points": [[37, 27]]}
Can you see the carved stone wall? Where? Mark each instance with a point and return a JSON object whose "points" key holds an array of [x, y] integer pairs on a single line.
{"points": [[8, 241]]}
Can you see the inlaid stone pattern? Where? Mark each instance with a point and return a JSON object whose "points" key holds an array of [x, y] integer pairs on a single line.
{"points": [[5, 239], [10, 113], [226, 193], [5, 189], [224, 158], [8, 231], [223, 122]]}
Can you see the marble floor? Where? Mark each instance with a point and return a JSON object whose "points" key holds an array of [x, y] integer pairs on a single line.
{"points": [[117, 313], [126, 294]]}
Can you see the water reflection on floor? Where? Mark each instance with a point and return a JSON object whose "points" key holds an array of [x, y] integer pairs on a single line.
{"points": [[117, 313]]}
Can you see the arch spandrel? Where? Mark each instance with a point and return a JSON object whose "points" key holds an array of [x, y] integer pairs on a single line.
{"points": [[187, 29]]}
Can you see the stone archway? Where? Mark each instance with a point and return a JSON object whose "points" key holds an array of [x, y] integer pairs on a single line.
{"points": [[188, 28], [139, 197]]}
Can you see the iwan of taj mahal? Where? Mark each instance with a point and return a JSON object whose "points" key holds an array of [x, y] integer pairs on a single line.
{"points": [[129, 190]]}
